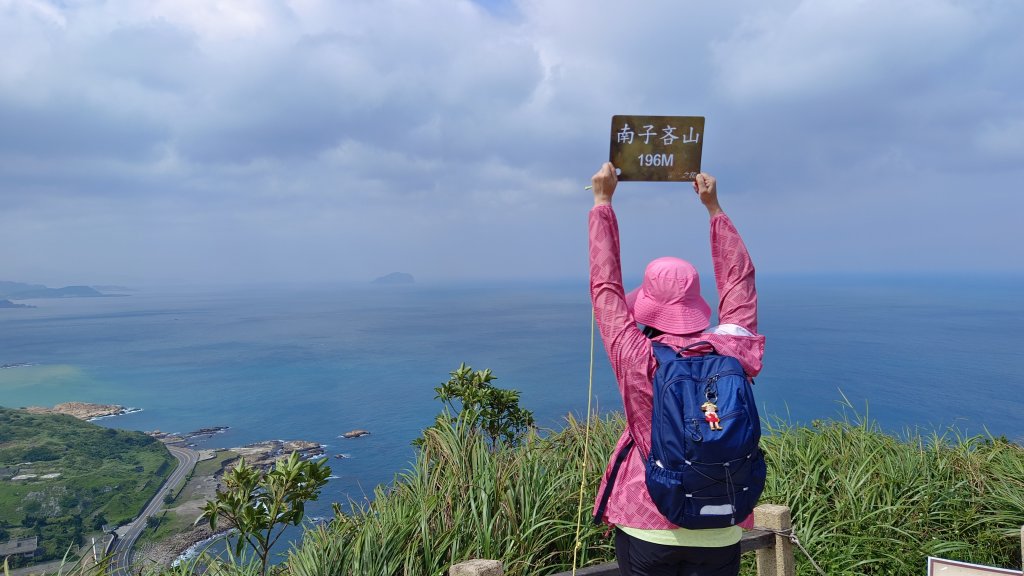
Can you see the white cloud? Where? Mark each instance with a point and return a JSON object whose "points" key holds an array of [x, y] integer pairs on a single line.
{"points": [[818, 48], [277, 135]]}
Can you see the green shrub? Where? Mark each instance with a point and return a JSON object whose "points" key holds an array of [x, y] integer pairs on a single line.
{"points": [[494, 411], [863, 502], [866, 502], [260, 504], [463, 499]]}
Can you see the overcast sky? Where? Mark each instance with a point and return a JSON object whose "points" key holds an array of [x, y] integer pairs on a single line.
{"points": [[338, 140]]}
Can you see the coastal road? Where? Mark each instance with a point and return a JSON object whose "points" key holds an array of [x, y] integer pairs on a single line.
{"points": [[122, 551]]}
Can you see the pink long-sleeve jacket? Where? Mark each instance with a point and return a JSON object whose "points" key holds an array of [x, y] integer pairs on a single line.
{"points": [[632, 358]]}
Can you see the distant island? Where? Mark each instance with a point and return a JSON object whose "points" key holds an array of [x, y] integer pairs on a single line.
{"points": [[8, 304], [21, 291], [396, 278]]}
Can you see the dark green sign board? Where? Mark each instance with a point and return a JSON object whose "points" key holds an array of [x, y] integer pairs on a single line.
{"points": [[657, 148]]}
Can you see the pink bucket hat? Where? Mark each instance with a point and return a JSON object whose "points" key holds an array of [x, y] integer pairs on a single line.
{"points": [[669, 298]]}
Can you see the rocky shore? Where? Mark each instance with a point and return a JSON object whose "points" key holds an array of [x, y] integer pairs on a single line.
{"points": [[262, 455], [189, 438], [266, 454], [169, 549], [83, 410]]}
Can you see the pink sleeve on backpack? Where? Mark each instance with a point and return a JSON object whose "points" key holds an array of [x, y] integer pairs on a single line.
{"points": [[748, 522]]}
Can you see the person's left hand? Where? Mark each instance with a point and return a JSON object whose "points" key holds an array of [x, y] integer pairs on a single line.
{"points": [[604, 182], [706, 188]]}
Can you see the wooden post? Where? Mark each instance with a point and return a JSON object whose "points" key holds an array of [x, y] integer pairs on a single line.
{"points": [[477, 568], [777, 561]]}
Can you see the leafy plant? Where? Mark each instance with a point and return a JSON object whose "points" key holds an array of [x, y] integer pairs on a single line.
{"points": [[494, 411], [261, 504], [863, 502], [463, 499]]}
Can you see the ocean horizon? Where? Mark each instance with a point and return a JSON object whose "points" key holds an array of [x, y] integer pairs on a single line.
{"points": [[933, 354]]}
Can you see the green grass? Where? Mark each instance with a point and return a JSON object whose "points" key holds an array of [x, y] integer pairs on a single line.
{"points": [[863, 503], [215, 464], [103, 476], [460, 501]]}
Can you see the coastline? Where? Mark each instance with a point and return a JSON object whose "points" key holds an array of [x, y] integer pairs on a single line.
{"points": [[83, 410], [170, 551], [198, 547], [181, 514], [182, 533]]}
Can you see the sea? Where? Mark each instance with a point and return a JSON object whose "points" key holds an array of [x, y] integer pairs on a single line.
{"points": [[302, 362]]}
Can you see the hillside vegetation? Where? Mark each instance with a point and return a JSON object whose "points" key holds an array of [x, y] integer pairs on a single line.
{"points": [[61, 478], [863, 502]]}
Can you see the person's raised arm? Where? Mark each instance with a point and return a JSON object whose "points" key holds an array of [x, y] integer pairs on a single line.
{"points": [[734, 270], [606, 290], [603, 183], [628, 350]]}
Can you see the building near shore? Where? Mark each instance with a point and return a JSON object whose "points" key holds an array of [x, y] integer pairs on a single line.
{"points": [[26, 547]]}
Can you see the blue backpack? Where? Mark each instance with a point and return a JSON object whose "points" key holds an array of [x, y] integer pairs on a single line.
{"points": [[705, 469]]}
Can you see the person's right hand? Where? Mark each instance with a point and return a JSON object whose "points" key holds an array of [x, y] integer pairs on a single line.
{"points": [[603, 183], [707, 189]]}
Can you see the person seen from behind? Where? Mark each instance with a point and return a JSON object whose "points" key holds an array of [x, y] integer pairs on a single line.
{"points": [[667, 308]]}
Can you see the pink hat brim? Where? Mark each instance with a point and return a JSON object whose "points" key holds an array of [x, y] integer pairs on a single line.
{"points": [[677, 319]]}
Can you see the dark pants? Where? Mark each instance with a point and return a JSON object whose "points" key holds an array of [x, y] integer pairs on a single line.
{"points": [[641, 558]]}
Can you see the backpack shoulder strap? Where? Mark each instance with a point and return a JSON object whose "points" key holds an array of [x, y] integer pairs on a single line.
{"points": [[665, 353], [619, 459], [700, 344]]}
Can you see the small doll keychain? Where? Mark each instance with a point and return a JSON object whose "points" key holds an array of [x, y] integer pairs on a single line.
{"points": [[711, 415]]}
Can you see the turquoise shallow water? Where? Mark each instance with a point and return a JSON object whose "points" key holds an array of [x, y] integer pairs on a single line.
{"points": [[311, 363]]}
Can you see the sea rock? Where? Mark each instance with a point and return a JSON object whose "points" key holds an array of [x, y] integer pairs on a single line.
{"points": [[266, 454], [166, 437], [355, 434]]}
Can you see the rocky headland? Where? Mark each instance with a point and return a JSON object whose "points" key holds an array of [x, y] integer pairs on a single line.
{"points": [[83, 410], [5, 303]]}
